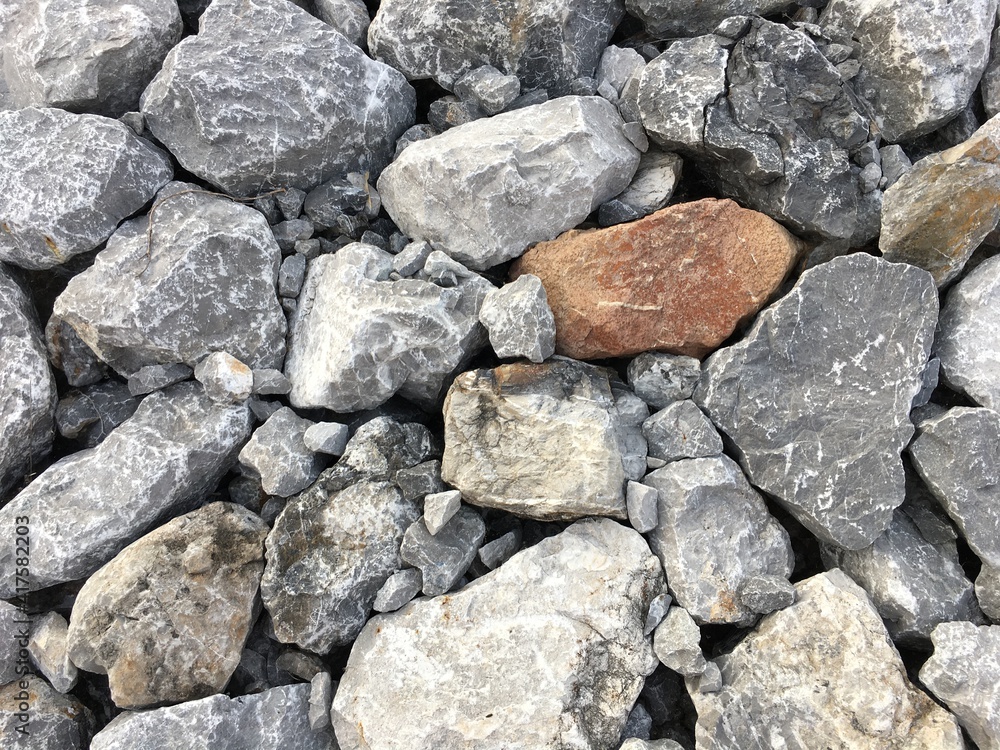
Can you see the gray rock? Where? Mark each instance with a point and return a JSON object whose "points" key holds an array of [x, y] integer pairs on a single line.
{"points": [[764, 594], [519, 320], [659, 379], [183, 292], [930, 379], [444, 557], [67, 180], [91, 413], [677, 643], [225, 378], [920, 62], [157, 377], [495, 553], [967, 341], [87, 507], [270, 382], [823, 668], [411, 258], [450, 112], [545, 651], [27, 388], [212, 102], [681, 430], [290, 201], [964, 672], [682, 18], [709, 681], [291, 275], [320, 701], [334, 546], [658, 609], [421, 480], [51, 722], [988, 592], [349, 17], [87, 55], [68, 353], [713, 533], [895, 163], [48, 651], [637, 744], [654, 182], [15, 630], [545, 44], [327, 437], [287, 233], [400, 588], [545, 441], [357, 338], [528, 99], [488, 88], [522, 197], [642, 503], [278, 454], [300, 665], [816, 397], [636, 135], [639, 723], [439, 508], [617, 65], [271, 720]]}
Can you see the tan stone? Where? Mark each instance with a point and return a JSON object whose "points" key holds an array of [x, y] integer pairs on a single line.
{"points": [[680, 280]]}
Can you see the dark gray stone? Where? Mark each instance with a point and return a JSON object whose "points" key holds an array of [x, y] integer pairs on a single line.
{"points": [[681, 430], [450, 112], [15, 630], [443, 558], [291, 275], [399, 589], [270, 382], [91, 413], [421, 480], [682, 18], [68, 353], [495, 553], [764, 594], [660, 379], [290, 201], [287, 233], [157, 377], [320, 700], [55, 722]]}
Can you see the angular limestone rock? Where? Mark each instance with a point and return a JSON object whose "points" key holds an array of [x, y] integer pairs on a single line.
{"points": [[681, 18], [542, 441], [988, 592], [677, 643], [519, 321], [87, 507], [816, 397], [681, 430], [823, 668], [398, 589], [66, 181], [713, 534], [660, 379], [203, 281], [545, 651], [444, 556], [653, 184], [212, 104], [439, 508], [278, 454], [225, 378], [48, 649], [349, 17], [54, 721], [167, 618], [534, 173]]}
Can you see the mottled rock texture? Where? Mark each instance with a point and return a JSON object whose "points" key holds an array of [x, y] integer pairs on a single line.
{"points": [[683, 18], [349, 17], [277, 453], [55, 722], [519, 320]]}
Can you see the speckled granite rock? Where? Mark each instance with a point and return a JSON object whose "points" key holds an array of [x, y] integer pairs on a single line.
{"points": [[54, 721]]}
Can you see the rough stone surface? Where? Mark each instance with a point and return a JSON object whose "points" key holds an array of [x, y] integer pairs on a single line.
{"points": [[968, 341], [400, 588], [358, 338], [546, 44], [320, 701], [677, 643], [349, 17], [653, 184], [278, 454], [820, 671], [713, 533], [681, 430], [508, 163], [682, 18], [15, 629], [642, 503], [488, 88], [87, 507], [66, 181], [212, 104], [543, 441], [439, 508], [545, 651], [920, 61], [519, 321], [56, 722], [48, 651], [444, 556], [660, 379], [940, 211], [167, 618], [816, 397], [964, 672], [496, 553], [88, 55], [679, 280], [327, 437], [225, 378], [191, 291], [91, 413], [151, 378], [988, 592]]}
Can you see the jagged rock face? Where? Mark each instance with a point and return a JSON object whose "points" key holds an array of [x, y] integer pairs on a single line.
{"points": [[55, 722], [535, 173], [183, 291], [349, 17], [87, 507], [683, 18], [212, 104], [920, 61], [87, 56], [545, 44], [66, 181], [546, 651], [167, 618], [549, 441], [816, 397], [823, 668], [519, 320]]}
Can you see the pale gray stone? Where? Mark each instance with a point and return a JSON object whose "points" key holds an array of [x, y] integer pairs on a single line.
{"points": [[709, 681], [659, 379], [87, 507], [545, 651], [681, 430], [617, 65], [439, 508], [400, 588], [637, 136], [444, 557], [54, 721], [713, 533], [87, 55], [637, 744], [682, 18], [66, 181], [654, 182], [48, 651], [488, 88], [157, 377], [358, 338], [816, 397], [270, 382], [496, 553], [550, 166], [990, 83], [658, 609], [964, 672], [320, 701], [823, 668], [212, 104], [677, 643], [349, 17], [278, 454], [642, 502], [519, 320], [327, 437], [184, 291], [225, 378], [15, 632], [764, 594]]}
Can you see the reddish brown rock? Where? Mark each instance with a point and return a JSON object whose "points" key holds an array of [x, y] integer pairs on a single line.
{"points": [[679, 280]]}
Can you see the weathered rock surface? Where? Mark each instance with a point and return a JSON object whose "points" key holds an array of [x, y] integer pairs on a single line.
{"points": [[439, 508], [519, 321], [681, 430], [87, 507], [48, 649], [443, 556], [349, 17], [714, 533], [990, 84], [15, 630], [509, 163], [988, 592], [359, 338], [327, 437], [940, 211], [278, 454], [90, 414], [334, 546], [920, 61], [968, 340], [820, 671], [271, 720], [54, 721], [545, 651], [546, 44], [680, 280], [964, 672], [167, 618], [677, 643], [816, 398], [653, 184], [66, 181], [87, 55], [683, 18], [225, 378], [212, 104], [545, 441], [660, 379], [488, 88], [204, 281], [398, 589], [151, 378]]}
